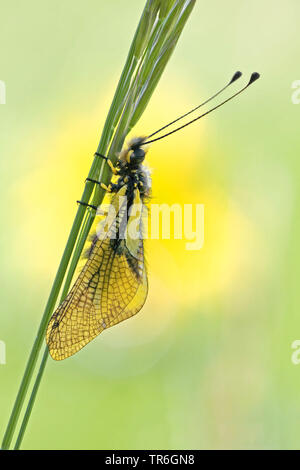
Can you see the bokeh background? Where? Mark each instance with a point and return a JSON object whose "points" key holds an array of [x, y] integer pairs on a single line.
{"points": [[207, 362]]}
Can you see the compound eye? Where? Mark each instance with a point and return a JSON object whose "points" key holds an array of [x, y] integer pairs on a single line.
{"points": [[137, 156]]}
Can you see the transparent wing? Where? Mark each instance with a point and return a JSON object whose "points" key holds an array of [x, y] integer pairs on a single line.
{"points": [[111, 288]]}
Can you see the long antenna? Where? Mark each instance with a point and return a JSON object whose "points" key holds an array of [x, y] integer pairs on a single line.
{"points": [[235, 77], [253, 78]]}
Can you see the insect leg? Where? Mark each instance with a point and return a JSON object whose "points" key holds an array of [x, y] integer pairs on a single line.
{"points": [[100, 155], [109, 162], [87, 205]]}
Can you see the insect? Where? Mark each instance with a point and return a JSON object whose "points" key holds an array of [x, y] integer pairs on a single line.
{"points": [[113, 285]]}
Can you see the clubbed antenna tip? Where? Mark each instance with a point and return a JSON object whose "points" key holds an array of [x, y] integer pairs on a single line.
{"points": [[255, 76], [236, 76]]}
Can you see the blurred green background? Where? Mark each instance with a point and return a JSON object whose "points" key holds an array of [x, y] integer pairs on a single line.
{"points": [[207, 362]]}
